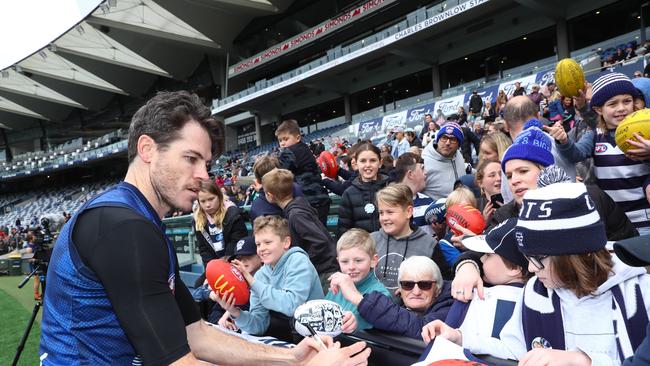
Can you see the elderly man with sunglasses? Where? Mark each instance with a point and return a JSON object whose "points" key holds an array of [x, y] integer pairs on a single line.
{"points": [[424, 297]]}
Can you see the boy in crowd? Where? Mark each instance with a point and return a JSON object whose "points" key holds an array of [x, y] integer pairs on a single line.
{"points": [[357, 256], [409, 170], [246, 253], [296, 156], [260, 206], [286, 280], [506, 269], [306, 230]]}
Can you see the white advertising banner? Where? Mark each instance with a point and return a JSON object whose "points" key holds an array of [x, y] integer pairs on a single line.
{"points": [[526, 81], [393, 120], [450, 105]]}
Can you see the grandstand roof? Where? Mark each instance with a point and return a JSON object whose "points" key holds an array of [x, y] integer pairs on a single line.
{"points": [[106, 48]]}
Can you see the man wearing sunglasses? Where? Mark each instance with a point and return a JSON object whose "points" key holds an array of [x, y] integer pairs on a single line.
{"points": [[424, 297]]}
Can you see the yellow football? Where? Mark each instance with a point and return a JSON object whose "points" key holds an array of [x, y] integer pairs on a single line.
{"points": [[638, 122], [569, 77]]}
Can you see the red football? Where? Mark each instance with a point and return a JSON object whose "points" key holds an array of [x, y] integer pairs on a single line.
{"points": [[452, 362], [467, 217], [224, 278], [327, 164]]}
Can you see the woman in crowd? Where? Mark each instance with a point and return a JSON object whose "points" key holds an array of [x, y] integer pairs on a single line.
{"points": [[357, 208], [218, 223], [493, 146], [423, 297], [502, 99], [488, 179]]}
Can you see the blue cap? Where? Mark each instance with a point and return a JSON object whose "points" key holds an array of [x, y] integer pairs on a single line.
{"points": [[245, 246], [500, 240]]}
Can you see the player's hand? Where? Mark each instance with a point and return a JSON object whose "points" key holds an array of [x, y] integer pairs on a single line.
{"points": [[227, 302], [226, 322], [335, 355], [349, 322], [247, 276], [439, 328], [467, 278], [553, 357]]}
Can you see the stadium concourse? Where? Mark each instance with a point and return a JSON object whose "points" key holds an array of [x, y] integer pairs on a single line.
{"points": [[409, 109]]}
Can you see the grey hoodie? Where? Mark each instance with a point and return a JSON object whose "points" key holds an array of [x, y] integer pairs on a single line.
{"points": [[392, 253], [441, 172]]}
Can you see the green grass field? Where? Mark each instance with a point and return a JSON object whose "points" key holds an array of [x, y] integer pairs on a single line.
{"points": [[15, 310]]}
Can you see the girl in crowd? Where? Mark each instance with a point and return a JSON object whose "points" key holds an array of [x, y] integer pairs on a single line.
{"points": [[218, 223], [623, 177], [493, 146], [357, 208], [488, 179], [583, 307], [502, 99]]}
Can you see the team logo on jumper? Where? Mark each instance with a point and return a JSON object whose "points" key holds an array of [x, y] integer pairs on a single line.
{"points": [[369, 208], [539, 342], [601, 148]]}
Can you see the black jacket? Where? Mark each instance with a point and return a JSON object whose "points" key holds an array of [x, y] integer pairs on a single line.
{"points": [[358, 208], [469, 140], [617, 225], [234, 229], [338, 187], [475, 103], [301, 162], [311, 235], [261, 207]]}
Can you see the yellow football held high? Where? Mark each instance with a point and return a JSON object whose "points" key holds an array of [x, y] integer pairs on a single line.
{"points": [[569, 77]]}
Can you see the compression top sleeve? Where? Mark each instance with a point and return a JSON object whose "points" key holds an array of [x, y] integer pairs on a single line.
{"points": [[129, 255]]}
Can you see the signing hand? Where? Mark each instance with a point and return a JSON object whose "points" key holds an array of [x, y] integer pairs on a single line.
{"points": [[439, 328], [456, 240], [353, 355]]}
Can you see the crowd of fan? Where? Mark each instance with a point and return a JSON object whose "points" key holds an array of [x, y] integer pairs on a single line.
{"points": [[532, 164]]}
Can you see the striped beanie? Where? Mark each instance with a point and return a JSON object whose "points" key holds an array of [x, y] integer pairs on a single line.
{"points": [[611, 85], [559, 219], [452, 129]]}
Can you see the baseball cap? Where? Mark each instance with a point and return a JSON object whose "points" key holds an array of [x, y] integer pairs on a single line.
{"points": [[500, 240], [634, 251], [245, 246]]}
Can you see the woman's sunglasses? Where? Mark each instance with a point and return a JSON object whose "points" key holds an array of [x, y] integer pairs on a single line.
{"points": [[410, 285], [536, 260]]}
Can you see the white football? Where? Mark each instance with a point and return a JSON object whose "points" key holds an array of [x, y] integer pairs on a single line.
{"points": [[324, 316]]}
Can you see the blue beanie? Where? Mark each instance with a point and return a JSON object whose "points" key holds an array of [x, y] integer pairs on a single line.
{"points": [[642, 85], [611, 85], [533, 145], [559, 219], [453, 129]]}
